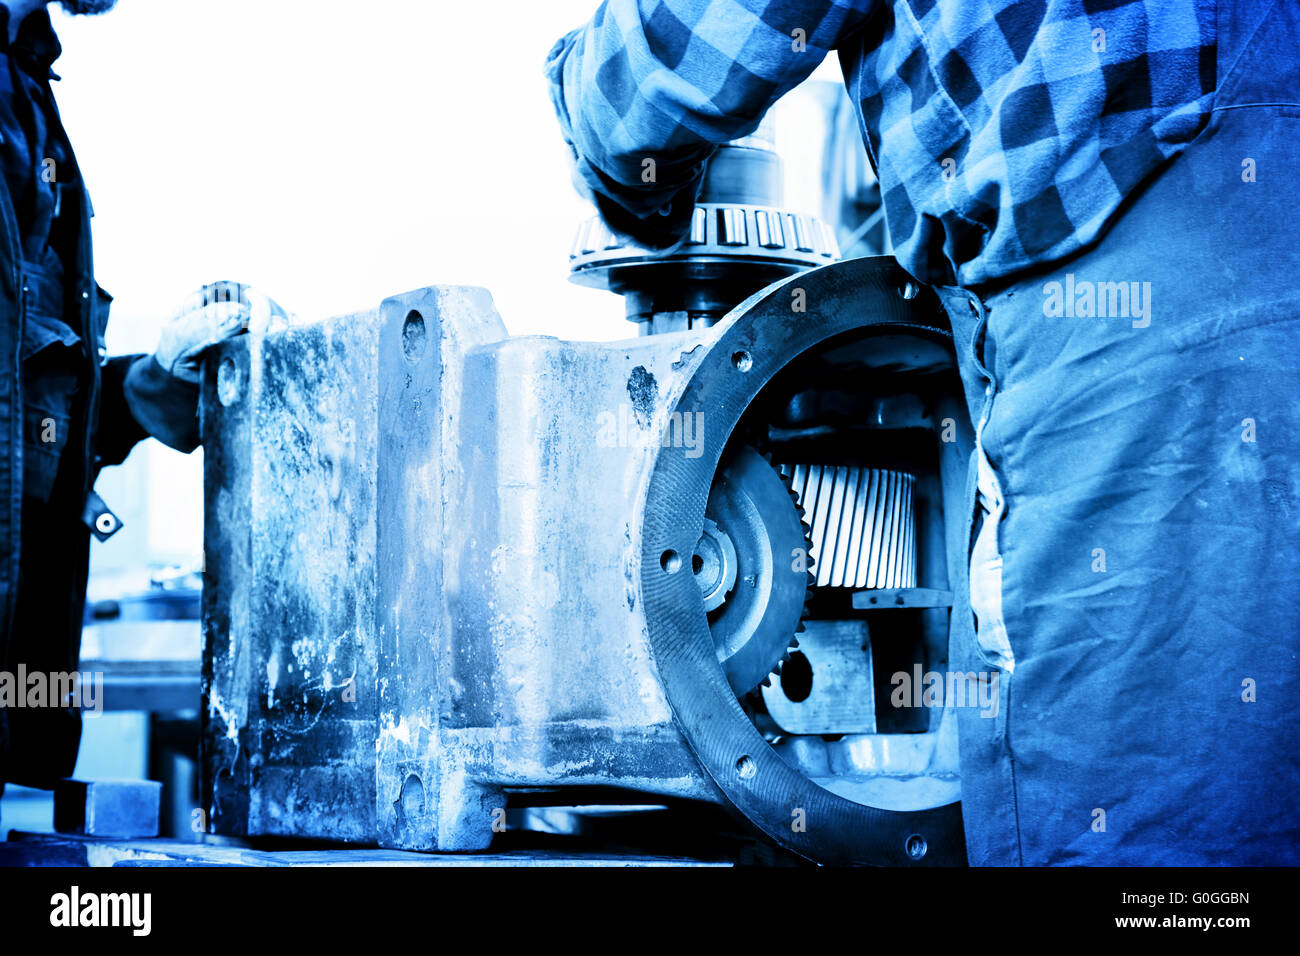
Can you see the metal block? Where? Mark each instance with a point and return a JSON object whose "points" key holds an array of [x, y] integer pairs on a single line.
{"points": [[499, 669], [464, 528], [289, 701], [425, 799], [107, 808], [827, 685]]}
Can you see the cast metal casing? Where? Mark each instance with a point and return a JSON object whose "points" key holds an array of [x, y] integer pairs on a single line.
{"points": [[421, 551], [425, 571]]}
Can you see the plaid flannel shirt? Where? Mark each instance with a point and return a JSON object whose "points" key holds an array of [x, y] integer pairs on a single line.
{"points": [[1005, 133]]}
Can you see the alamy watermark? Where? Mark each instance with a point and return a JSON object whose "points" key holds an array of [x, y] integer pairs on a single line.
{"points": [[77, 909], [1084, 299], [84, 691], [624, 429], [956, 688]]}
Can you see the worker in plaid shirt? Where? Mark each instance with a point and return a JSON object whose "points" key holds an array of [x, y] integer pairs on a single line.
{"points": [[1134, 574]]}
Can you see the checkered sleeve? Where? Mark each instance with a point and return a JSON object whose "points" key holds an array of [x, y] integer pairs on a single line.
{"points": [[648, 89], [1007, 133]]}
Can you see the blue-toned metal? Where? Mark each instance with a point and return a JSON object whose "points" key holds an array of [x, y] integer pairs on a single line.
{"points": [[430, 589]]}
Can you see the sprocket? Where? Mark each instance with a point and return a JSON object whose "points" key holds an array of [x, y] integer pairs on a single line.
{"points": [[751, 564]]}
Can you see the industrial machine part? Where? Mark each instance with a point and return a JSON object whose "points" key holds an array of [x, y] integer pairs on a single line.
{"points": [[751, 528], [741, 238], [453, 573], [863, 527]]}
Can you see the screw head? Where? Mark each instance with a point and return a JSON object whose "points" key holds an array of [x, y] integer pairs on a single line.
{"points": [[916, 846]]}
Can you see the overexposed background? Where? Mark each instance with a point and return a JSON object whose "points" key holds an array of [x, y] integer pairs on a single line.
{"points": [[331, 153]]}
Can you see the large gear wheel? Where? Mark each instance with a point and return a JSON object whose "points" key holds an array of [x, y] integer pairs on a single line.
{"points": [[751, 564]]}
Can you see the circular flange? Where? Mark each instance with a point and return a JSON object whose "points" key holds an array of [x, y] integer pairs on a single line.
{"points": [[761, 337]]}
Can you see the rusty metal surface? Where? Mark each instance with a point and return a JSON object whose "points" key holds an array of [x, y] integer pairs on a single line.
{"points": [[409, 506], [513, 644], [364, 523], [289, 628]]}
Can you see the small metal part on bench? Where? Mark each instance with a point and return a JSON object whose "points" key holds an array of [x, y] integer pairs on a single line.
{"points": [[107, 808]]}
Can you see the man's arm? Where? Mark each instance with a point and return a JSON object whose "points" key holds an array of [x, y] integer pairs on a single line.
{"points": [[163, 405], [158, 395], [648, 90], [154, 403]]}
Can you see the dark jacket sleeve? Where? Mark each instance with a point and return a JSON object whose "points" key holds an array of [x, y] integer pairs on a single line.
{"points": [[139, 400]]}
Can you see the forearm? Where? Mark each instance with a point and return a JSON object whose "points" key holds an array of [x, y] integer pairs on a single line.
{"points": [[140, 399], [645, 94]]}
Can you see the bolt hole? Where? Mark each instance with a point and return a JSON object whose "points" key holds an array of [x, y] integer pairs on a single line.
{"points": [[697, 564], [796, 677], [670, 561], [916, 846], [746, 768], [742, 360], [414, 336], [230, 382]]}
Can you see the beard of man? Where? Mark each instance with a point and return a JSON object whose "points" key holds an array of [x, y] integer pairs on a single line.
{"points": [[87, 6]]}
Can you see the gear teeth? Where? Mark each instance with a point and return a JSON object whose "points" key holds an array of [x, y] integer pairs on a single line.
{"points": [[787, 476], [811, 581]]}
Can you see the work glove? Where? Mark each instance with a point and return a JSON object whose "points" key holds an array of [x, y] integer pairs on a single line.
{"points": [[209, 316], [161, 391]]}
